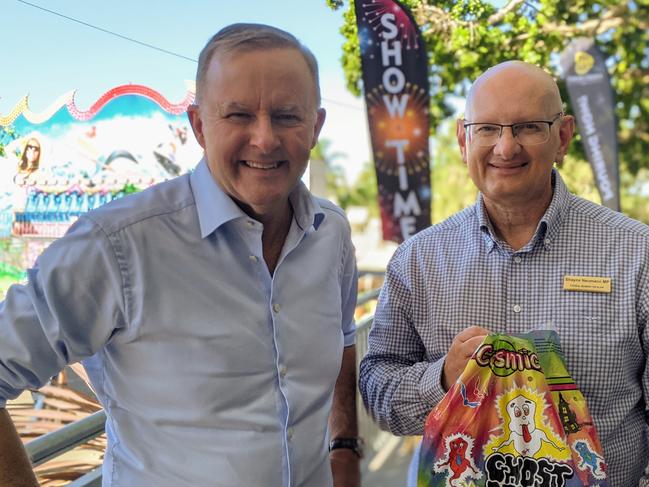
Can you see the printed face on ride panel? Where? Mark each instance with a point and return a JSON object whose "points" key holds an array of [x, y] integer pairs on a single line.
{"points": [[257, 122], [513, 132]]}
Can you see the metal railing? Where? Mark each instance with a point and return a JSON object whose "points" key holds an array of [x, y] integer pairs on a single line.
{"points": [[54, 444]]}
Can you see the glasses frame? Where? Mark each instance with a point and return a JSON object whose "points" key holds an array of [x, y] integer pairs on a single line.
{"points": [[511, 126]]}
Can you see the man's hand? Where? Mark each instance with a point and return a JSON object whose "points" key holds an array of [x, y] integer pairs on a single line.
{"points": [[345, 467], [15, 470], [462, 347]]}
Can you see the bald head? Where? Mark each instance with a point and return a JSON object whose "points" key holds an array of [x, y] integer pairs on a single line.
{"points": [[529, 81]]}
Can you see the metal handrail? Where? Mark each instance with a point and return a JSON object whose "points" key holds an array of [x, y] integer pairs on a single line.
{"points": [[91, 479], [367, 296], [53, 444]]}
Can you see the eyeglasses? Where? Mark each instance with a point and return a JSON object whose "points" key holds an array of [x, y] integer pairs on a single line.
{"points": [[526, 133], [34, 147]]}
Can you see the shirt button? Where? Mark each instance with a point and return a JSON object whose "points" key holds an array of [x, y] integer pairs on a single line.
{"points": [[517, 259], [250, 223], [253, 258], [517, 308], [276, 308], [282, 371], [289, 434]]}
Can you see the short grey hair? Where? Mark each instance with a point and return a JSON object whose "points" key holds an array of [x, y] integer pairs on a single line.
{"points": [[242, 37]]}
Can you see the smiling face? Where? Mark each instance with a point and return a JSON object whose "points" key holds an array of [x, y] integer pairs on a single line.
{"points": [[510, 174], [32, 154], [257, 123]]}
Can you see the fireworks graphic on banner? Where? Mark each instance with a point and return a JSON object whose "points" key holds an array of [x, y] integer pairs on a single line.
{"points": [[374, 10], [412, 127]]}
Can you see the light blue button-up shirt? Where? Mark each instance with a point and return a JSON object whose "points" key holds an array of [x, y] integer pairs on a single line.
{"points": [[212, 372]]}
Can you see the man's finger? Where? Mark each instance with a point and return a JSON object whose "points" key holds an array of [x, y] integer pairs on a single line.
{"points": [[471, 332], [471, 345]]}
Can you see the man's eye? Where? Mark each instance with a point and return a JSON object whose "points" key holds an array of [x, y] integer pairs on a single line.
{"points": [[529, 128], [486, 129], [286, 118], [238, 116]]}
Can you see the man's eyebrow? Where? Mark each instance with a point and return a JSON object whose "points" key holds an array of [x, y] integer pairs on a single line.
{"points": [[288, 108], [232, 106]]}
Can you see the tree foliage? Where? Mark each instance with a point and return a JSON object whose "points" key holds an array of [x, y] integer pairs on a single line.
{"points": [[464, 38]]}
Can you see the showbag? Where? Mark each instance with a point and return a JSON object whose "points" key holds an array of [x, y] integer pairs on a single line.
{"points": [[514, 418]]}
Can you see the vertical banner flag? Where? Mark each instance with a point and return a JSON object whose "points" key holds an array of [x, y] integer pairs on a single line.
{"points": [[395, 79], [591, 97]]}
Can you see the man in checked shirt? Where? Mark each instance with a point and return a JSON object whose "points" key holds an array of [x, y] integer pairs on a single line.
{"points": [[504, 265]]}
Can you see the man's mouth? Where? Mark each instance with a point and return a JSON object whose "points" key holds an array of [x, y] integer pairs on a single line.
{"points": [[509, 166], [266, 166]]}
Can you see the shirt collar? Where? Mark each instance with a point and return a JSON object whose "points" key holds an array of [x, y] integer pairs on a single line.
{"points": [[488, 233], [215, 207], [548, 226], [306, 208], [555, 213]]}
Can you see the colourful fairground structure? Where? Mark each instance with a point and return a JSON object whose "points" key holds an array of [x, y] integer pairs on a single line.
{"points": [[59, 163]]}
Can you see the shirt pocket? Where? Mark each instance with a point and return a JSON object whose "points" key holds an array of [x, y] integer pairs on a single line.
{"points": [[585, 314], [590, 332]]}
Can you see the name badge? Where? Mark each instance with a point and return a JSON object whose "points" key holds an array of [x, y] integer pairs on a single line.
{"points": [[588, 284]]}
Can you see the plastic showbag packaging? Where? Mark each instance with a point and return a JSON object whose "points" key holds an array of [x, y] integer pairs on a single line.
{"points": [[514, 418]]}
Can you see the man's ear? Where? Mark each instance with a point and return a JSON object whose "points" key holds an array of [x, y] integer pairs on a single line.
{"points": [[460, 133], [194, 116], [321, 114], [566, 131]]}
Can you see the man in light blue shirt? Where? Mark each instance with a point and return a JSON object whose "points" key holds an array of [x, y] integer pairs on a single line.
{"points": [[214, 311]]}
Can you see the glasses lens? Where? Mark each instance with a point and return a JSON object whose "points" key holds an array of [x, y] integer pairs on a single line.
{"points": [[526, 133], [530, 133], [485, 133]]}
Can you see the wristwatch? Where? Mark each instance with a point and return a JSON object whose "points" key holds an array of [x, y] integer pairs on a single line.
{"points": [[354, 444]]}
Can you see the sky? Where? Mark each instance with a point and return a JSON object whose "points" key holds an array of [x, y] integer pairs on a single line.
{"points": [[46, 55]]}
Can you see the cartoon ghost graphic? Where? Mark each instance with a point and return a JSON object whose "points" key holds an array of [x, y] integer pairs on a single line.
{"points": [[525, 437]]}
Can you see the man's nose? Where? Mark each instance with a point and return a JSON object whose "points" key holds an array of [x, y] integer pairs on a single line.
{"points": [[263, 135], [507, 145]]}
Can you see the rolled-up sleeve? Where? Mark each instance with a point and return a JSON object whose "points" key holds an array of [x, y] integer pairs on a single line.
{"points": [[399, 387], [348, 289], [71, 305]]}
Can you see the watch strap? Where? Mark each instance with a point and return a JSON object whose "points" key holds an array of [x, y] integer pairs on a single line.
{"points": [[354, 444]]}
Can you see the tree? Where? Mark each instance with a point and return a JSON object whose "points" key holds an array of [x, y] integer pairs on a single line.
{"points": [[464, 38], [452, 188], [364, 191]]}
